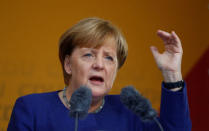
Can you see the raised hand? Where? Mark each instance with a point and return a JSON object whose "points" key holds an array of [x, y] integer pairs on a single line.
{"points": [[169, 62]]}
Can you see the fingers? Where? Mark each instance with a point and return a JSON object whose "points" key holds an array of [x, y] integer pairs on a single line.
{"points": [[154, 51], [169, 38], [165, 36], [175, 37]]}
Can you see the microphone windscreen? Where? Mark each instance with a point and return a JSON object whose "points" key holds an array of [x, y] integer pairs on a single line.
{"points": [[138, 104], [80, 102]]}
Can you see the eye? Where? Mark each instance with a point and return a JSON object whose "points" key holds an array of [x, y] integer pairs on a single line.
{"points": [[109, 58], [88, 55]]}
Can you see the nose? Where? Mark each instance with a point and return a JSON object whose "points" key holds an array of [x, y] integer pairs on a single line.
{"points": [[98, 64]]}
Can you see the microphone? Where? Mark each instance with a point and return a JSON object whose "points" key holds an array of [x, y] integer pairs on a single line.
{"points": [[80, 102], [138, 104]]}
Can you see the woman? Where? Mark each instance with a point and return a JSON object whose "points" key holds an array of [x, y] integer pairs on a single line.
{"points": [[91, 53]]}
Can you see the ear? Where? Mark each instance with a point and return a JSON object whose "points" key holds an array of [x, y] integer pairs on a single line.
{"points": [[67, 65]]}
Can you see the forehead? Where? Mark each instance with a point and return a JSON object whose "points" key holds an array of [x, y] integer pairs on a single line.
{"points": [[108, 45]]}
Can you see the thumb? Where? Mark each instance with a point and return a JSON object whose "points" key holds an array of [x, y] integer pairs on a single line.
{"points": [[154, 51]]}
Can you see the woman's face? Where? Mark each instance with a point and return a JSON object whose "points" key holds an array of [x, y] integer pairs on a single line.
{"points": [[95, 68]]}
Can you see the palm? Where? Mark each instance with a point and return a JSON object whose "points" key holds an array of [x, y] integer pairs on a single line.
{"points": [[170, 59]]}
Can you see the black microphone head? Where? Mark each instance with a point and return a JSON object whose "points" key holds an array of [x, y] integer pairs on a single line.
{"points": [[134, 101], [80, 102]]}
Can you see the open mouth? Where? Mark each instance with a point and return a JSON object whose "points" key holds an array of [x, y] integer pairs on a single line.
{"points": [[96, 79]]}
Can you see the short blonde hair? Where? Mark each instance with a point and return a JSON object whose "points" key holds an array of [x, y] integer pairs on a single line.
{"points": [[91, 32]]}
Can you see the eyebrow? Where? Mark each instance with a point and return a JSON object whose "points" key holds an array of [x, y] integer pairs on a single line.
{"points": [[94, 50]]}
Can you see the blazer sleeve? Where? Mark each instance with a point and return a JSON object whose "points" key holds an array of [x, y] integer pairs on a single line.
{"points": [[174, 112], [21, 118]]}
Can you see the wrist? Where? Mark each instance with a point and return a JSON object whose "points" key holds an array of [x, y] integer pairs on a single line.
{"points": [[174, 86], [171, 76]]}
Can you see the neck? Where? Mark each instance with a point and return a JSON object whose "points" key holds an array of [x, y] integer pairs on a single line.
{"points": [[95, 105]]}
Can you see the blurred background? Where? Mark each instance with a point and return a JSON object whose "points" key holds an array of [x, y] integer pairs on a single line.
{"points": [[30, 30]]}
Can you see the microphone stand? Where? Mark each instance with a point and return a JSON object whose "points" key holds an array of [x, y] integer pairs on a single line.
{"points": [[76, 122], [158, 123], [79, 103]]}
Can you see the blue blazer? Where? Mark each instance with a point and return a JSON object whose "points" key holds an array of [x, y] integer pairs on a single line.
{"points": [[46, 112]]}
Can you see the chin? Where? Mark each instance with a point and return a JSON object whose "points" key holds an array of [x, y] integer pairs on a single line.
{"points": [[98, 93]]}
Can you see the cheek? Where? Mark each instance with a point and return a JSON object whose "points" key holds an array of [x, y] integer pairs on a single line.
{"points": [[79, 72], [80, 67], [112, 75], [82, 71]]}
